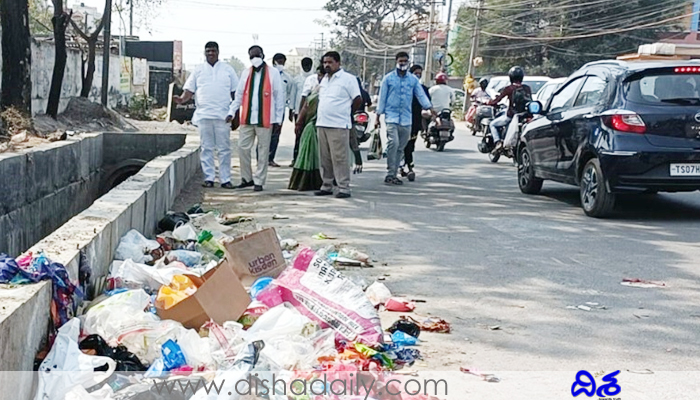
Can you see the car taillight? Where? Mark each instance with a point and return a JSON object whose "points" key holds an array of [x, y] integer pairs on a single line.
{"points": [[361, 118], [687, 70], [631, 123]]}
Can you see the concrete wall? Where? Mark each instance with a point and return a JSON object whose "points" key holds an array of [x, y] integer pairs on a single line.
{"points": [[137, 203], [43, 56]]}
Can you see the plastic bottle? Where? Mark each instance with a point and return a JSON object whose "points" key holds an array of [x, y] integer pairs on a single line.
{"points": [[209, 244]]}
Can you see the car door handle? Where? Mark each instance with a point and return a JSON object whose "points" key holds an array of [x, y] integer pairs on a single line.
{"points": [[590, 116]]}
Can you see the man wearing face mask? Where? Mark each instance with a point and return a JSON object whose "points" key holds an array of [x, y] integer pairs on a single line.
{"points": [[395, 103], [214, 83], [260, 98], [297, 94], [278, 61]]}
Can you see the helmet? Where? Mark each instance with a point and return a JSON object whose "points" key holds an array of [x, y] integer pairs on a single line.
{"points": [[441, 78], [516, 74], [483, 82]]}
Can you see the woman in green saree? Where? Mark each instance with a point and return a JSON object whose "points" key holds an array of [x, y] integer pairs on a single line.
{"points": [[307, 174]]}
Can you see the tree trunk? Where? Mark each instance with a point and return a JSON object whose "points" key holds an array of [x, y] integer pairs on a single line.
{"points": [[90, 73], [16, 56], [60, 23]]}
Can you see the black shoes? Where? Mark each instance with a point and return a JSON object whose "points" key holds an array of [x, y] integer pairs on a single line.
{"points": [[245, 184], [343, 196], [392, 180], [258, 188], [227, 185], [411, 176], [208, 184], [323, 193]]}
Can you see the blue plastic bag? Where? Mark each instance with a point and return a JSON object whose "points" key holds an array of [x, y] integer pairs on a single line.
{"points": [[258, 286], [8, 268], [172, 355], [400, 338]]}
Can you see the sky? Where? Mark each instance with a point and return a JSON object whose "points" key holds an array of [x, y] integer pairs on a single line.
{"points": [[279, 24]]}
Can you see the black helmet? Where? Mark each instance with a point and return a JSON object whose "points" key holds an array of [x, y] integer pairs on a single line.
{"points": [[516, 74], [483, 82]]}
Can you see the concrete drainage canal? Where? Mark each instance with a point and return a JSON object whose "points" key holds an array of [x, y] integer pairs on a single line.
{"points": [[74, 200]]}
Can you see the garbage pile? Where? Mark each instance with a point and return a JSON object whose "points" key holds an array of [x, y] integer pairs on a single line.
{"points": [[177, 307]]}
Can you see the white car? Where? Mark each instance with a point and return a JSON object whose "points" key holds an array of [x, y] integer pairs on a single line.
{"points": [[498, 83], [548, 90]]}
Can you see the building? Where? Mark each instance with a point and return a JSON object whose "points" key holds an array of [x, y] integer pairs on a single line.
{"points": [[86, 17]]}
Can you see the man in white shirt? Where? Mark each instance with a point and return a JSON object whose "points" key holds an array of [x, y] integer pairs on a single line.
{"points": [[441, 95], [214, 83], [339, 98], [278, 61], [260, 99], [297, 94]]}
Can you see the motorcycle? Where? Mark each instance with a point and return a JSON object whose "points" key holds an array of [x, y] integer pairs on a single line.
{"points": [[477, 112], [487, 144], [441, 131], [360, 122]]}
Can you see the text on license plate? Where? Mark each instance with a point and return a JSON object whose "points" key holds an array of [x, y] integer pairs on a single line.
{"points": [[444, 134], [685, 169]]}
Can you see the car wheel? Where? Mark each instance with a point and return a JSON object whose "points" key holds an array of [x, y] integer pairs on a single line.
{"points": [[529, 184], [494, 157], [595, 199]]}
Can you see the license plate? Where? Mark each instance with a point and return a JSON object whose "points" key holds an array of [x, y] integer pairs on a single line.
{"points": [[692, 130], [685, 169], [444, 134]]}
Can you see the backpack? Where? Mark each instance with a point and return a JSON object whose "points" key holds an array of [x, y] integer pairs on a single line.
{"points": [[520, 99]]}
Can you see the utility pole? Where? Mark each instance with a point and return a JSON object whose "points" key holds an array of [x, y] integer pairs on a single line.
{"points": [[385, 57], [131, 17], [106, 52], [364, 65], [429, 46], [447, 32], [475, 38]]}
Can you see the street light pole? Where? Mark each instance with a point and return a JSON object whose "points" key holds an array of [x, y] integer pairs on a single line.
{"points": [[106, 51], [447, 32], [475, 38], [429, 46]]}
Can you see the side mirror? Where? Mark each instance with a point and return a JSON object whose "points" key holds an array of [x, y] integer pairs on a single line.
{"points": [[534, 107]]}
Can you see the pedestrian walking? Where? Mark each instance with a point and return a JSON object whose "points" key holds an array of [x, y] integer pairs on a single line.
{"points": [[260, 99], [213, 84], [278, 61], [339, 98], [297, 94], [395, 103], [417, 125]]}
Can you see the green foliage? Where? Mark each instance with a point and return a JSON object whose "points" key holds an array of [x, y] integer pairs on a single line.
{"points": [[565, 19], [40, 14], [140, 106], [237, 64]]}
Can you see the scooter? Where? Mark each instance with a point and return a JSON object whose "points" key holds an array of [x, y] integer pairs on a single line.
{"points": [[477, 112], [360, 122], [441, 131], [487, 144]]}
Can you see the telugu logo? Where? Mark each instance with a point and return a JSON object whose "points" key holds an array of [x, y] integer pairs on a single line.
{"points": [[587, 385]]}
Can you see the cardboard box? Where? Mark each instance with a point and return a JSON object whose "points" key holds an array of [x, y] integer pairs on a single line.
{"points": [[255, 256], [220, 296]]}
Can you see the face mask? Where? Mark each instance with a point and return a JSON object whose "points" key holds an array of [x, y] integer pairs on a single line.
{"points": [[280, 68], [402, 67], [256, 61]]}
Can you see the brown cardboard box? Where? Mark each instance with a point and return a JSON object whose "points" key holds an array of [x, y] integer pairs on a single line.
{"points": [[255, 256], [220, 296]]}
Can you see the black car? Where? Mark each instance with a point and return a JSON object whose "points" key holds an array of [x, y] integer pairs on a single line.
{"points": [[617, 127]]}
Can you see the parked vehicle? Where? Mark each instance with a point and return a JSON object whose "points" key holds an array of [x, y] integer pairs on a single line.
{"points": [[546, 91], [617, 127], [441, 131]]}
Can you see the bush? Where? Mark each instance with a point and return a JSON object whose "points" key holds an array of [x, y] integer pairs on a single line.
{"points": [[140, 106]]}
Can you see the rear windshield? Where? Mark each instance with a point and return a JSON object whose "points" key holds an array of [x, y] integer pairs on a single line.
{"points": [[667, 88], [534, 85]]}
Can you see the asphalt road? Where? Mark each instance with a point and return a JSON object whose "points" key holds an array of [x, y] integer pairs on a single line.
{"points": [[482, 255]]}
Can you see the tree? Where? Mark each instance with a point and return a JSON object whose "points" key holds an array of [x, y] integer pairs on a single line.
{"points": [[382, 22], [237, 64], [88, 71], [40, 17], [60, 22], [16, 56], [556, 37]]}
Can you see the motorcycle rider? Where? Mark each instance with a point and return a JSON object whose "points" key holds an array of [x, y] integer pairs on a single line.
{"points": [[480, 96], [442, 97], [518, 95]]}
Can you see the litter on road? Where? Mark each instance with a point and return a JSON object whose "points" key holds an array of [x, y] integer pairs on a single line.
{"points": [[641, 283]]}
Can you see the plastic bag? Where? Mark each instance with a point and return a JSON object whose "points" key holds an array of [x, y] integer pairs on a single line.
{"points": [[378, 293], [399, 305], [282, 320], [406, 326], [323, 294], [259, 285], [126, 361], [189, 258], [512, 133], [400, 338], [180, 288], [131, 275], [173, 356], [254, 311], [172, 220], [136, 247], [185, 233], [116, 314], [375, 147], [66, 367], [8, 268]]}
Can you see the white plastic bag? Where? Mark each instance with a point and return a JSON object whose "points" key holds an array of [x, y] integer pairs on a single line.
{"points": [[66, 367], [130, 274], [135, 246], [282, 320], [185, 233], [512, 133], [378, 293], [116, 314]]}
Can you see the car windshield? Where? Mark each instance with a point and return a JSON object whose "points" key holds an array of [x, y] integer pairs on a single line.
{"points": [[535, 86], [669, 89]]}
